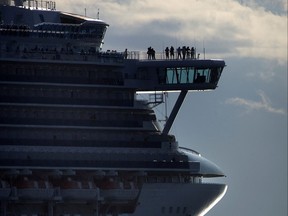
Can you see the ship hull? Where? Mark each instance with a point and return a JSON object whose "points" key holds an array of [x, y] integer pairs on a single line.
{"points": [[151, 199], [178, 199]]}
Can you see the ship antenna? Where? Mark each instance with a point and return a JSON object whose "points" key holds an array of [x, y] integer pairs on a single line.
{"points": [[165, 114], [98, 14], [166, 97], [203, 48]]}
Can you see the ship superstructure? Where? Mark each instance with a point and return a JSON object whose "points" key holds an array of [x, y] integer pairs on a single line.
{"points": [[75, 140]]}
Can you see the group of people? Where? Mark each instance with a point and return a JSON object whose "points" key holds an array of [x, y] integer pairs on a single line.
{"points": [[182, 53], [151, 53]]}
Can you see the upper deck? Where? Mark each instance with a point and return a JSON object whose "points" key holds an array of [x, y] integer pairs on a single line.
{"points": [[138, 71], [43, 36], [39, 23], [35, 32]]}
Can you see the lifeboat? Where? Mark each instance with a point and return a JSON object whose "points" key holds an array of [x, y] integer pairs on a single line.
{"points": [[76, 190], [119, 191], [34, 190]]}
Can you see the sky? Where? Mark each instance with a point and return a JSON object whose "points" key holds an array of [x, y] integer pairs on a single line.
{"points": [[242, 125]]}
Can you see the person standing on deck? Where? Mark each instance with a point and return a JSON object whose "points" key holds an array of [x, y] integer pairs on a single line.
{"points": [[172, 52], [167, 52], [178, 53], [184, 51]]}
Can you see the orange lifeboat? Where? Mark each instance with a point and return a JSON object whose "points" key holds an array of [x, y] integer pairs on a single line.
{"points": [[76, 190], [31, 189], [70, 184]]}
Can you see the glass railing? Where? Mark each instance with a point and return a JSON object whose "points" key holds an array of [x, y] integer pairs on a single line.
{"points": [[142, 55]]}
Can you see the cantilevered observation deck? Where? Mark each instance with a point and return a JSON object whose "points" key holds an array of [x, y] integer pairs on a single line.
{"points": [[173, 75]]}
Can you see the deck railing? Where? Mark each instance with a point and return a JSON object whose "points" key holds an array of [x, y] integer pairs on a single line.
{"points": [[69, 55], [142, 55]]}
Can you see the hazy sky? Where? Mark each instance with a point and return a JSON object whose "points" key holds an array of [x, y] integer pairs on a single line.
{"points": [[242, 126]]}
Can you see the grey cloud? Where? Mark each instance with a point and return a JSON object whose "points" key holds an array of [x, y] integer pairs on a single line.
{"points": [[275, 6], [250, 105], [237, 31]]}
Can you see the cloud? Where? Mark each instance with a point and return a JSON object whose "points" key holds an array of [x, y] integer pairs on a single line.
{"points": [[228, 27], [263, 104], [275, 6]]}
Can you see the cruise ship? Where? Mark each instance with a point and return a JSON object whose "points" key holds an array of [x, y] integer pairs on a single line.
{"points": [[75, 140]]}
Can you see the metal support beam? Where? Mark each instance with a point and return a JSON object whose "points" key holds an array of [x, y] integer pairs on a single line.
{"points": [[3, 210], [174, 112], [50, 208]]}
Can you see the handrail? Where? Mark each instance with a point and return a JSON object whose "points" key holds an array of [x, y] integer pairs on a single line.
{"points": [[189, 150], [142, 55]]}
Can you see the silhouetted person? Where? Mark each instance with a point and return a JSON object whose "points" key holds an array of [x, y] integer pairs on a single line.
{"points": [[149, 53], [188, 52], [125, 54], [178, 53], [153, 53], [183, 52], [167, 52], [172, 52], [193, 53]]}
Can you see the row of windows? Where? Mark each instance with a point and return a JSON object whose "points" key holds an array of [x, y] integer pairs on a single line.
{"points": [[70, 28], [174, 210], [26, 113], [49, 34], [59, 71], [56, 141], [65, 93], [73, 134], [191, 75]]}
